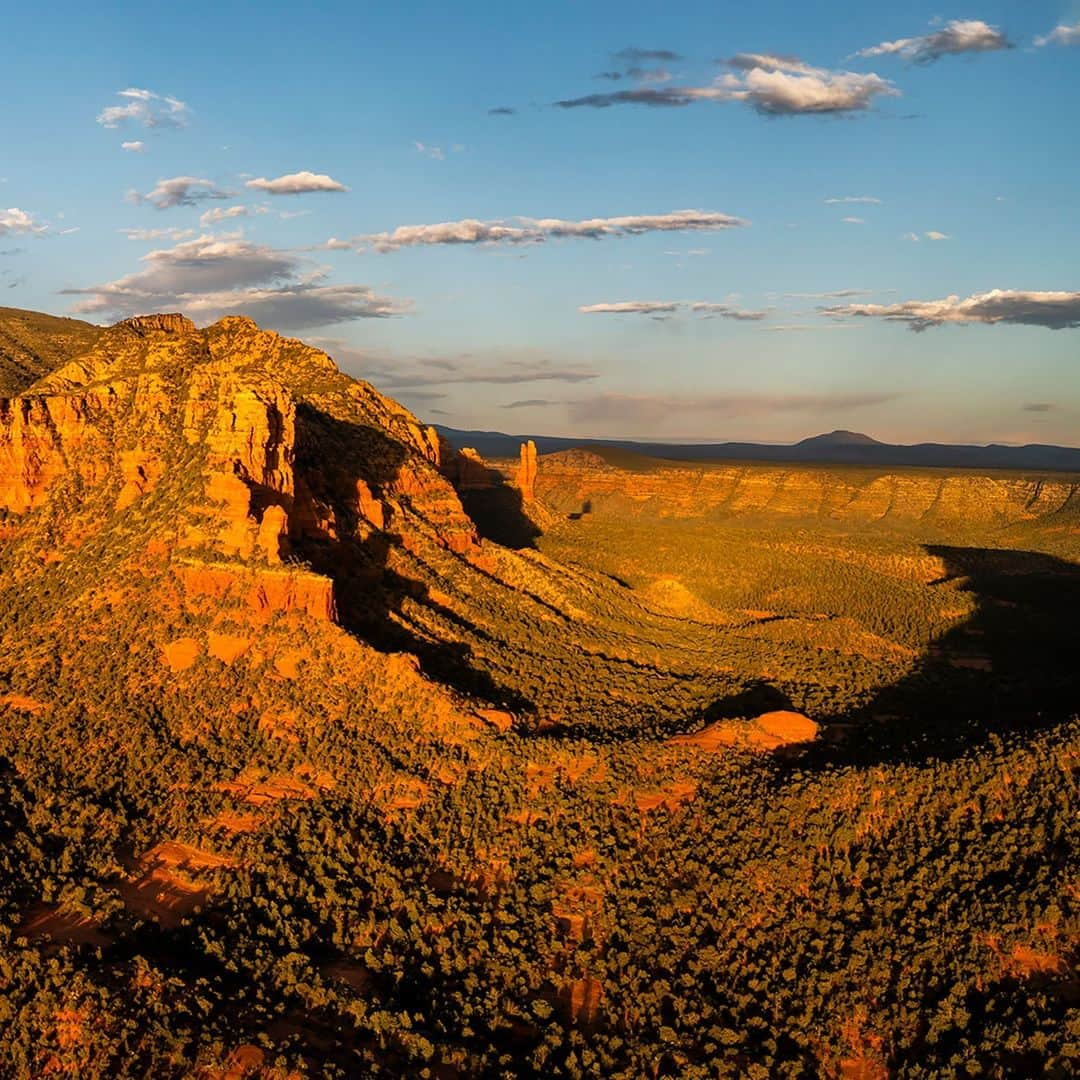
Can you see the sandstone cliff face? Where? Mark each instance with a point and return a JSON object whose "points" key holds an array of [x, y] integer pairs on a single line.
{"points": [[234, 440], [567, 481]]}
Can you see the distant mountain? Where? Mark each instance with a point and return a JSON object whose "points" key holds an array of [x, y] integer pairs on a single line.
{"points": [[839, 438], [833, 448]]}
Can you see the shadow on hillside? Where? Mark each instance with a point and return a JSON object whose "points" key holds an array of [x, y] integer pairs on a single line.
{"points": [[498, 512], [372, 598], [1012, 667]]}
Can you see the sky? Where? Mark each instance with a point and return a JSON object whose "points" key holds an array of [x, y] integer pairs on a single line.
{"points": [[696, 221]]}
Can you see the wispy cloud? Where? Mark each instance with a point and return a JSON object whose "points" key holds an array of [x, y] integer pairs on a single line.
{"points": [[524, 230], [14, 220], [1062, 34], [531, 403], [933, 234], [955, 38], [508, 367], [654, 409], [1053, 310], [642, 56], [705, 309], [772, 85], [181, 191], [792, 328], [135, 146], [502, 110], [1038, 406], [212, 276], [870, 199], [298, 183], [146, 108], [854, 221], [157, 234], [835, 294]]}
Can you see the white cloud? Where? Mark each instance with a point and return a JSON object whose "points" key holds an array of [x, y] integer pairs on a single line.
{"points": [[14, 220], [537, 230], [854, 221], [786, 86], [773, 85], [135, 146], [433, 152], [1054, 310], [933, 234], [631, 307], [211, 276], [181, 191], [854, 199], [146, 108], [222, 213], [298, 183], [1062, 34], [953, 39]]}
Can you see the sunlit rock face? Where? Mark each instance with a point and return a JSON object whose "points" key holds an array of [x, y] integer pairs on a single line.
{"points": [[269, 442], [569, 479]]}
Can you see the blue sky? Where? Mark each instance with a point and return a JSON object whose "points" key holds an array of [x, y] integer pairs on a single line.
{"points": [[954, 130]]}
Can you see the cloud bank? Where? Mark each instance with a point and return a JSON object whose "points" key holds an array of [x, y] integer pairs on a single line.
{"points": [[1053, 310], [523, 230], [212, 276]]}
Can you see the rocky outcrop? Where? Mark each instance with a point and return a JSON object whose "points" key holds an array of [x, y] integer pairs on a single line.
{"points": [[260, 593], [467, 470], [172, 323], [525, 477], [771, 731], [239, 407]]}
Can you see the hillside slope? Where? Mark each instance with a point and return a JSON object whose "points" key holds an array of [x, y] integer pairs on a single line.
{"points": [[32, 344], [302, 774]]}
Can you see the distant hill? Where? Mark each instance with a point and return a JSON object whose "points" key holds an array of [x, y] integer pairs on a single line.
{"points": [[839, 438], [833, 448]]}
